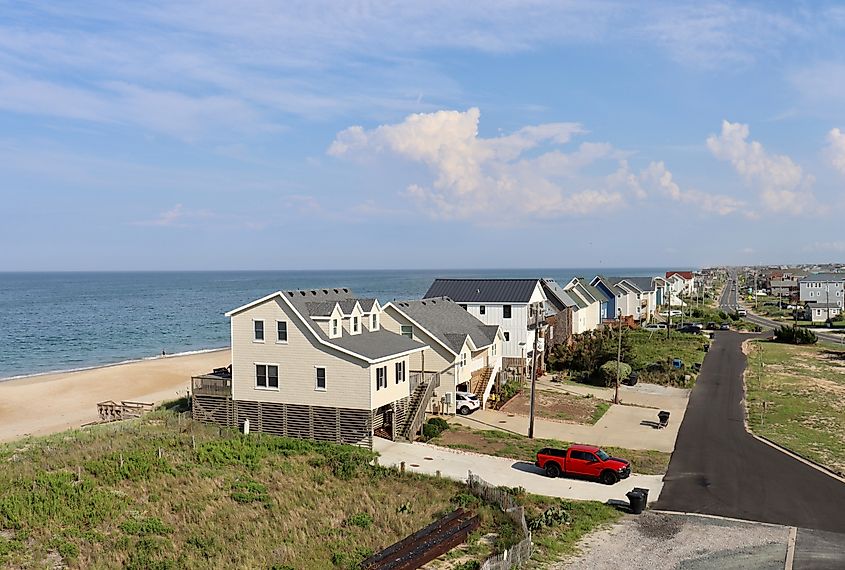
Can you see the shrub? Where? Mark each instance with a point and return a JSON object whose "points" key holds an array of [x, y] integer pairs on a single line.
{"points": [[465, 500], [131, 465], [361, 520], [608, 372], [795, 335], [152, 526], [553, 516], [434, 427], [249, 491]]}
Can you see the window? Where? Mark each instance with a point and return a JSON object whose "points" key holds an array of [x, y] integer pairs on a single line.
{"points": [[334, 327], [267, 376], [381, 377], [482, 309], [494, 349], [400, 372], [463, 359], [507, 336], [506, 311], [407, 330], [375, 322], [259, 330], [321, 379], [281, 331], [355, 325]]}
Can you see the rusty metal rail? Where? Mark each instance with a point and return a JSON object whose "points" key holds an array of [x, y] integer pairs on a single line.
{"points": [[425, 545]]}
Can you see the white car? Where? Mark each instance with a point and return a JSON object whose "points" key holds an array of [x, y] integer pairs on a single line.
{"points": [[654, 327], [673, 313], [466, 402]]}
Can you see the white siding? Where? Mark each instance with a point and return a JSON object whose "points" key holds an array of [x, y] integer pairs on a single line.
{"points": [[393, 391]]}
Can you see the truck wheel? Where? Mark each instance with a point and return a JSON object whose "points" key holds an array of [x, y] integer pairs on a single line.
{"points": [[609, 477], [552, 469]]}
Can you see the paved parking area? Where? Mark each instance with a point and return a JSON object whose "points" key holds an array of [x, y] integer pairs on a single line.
{"points": [[454, 464]]}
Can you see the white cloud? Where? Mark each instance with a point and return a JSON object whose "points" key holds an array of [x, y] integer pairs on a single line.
{"points": [[490, 176], [836, 149], [781, 184], [177, 216], [659, 177]]}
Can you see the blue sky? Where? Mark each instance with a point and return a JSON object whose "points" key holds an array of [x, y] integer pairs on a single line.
{"points": [[299, 135]]}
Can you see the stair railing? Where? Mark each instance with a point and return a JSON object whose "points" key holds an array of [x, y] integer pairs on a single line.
{"points": [[417, 415]]}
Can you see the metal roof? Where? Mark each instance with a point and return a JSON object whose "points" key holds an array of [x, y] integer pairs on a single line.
{"points": [[483, 290], [824, 277]]}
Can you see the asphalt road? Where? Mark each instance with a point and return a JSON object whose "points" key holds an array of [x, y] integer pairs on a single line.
{"points": [[719, 468]]}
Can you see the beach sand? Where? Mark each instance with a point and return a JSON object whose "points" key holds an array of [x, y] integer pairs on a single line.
{"points": [[51, 403]]}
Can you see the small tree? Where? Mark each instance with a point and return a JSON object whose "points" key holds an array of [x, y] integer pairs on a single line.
{"points": [[795, 335], [607, 372]]}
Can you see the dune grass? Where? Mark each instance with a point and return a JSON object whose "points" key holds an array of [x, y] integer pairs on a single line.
{"points": [[164, 492]]}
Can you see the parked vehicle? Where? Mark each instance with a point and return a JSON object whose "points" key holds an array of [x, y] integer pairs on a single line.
{"points": [[654, 327], [712, 326], [673, 312], [466, 402], [693, 329], [742, 312], [585, 461], [725, 327]]}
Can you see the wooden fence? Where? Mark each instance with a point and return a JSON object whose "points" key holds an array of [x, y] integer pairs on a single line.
{"points": [[519, 553]]}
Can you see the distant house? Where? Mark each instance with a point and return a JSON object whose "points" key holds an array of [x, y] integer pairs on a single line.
{"points": [[317, 364], [785, 288], [561, 311], [821, 312], [465, 352], [512, 304], [592, 305], [823, 288], [682, 283]]}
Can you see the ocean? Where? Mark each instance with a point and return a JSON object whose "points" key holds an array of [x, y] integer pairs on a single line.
{"points": [[67, 321]]}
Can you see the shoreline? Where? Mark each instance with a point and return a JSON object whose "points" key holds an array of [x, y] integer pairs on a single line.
{"points": [[111, 364], [45, 404]]}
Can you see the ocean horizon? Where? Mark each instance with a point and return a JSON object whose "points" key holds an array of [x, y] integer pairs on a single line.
{"points": [[63, 321]]}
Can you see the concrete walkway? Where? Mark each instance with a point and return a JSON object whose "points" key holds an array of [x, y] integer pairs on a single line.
{"points": [[631, 427], [454, 464]]}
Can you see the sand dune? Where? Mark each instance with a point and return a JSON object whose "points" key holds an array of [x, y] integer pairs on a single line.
{"points": [[51, 403]]}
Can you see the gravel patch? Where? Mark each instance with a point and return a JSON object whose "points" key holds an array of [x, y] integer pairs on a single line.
{"points": [[667, 541]]}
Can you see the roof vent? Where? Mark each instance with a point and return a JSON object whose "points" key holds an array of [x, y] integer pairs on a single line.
{"points": [[302, 293], [345, 290], [325, 291], [478, 291], [313, 292], [290, 293]]}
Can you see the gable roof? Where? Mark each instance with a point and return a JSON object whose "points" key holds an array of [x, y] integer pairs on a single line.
{"points": [[483, 290], [610, 285], [685, 274], [447, 322], [559, 298], [367, 345], [641, 283], [832, 277]]}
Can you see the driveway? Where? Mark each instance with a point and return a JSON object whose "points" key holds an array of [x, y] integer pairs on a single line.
{"points": [[631, 427], [719, 468], [453, 464]]}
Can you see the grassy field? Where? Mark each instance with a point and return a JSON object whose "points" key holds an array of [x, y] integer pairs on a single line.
{"points": [[803, 388], [516, 446], [161, 493], [164, 492]]}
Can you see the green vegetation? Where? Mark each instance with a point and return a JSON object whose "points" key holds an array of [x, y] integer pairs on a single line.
{"points": [[796, 397], [585, 355], [575, 519], [517, 446], [163, 492], [795, 335], [434, 427], [610, 371], [652, 354]]}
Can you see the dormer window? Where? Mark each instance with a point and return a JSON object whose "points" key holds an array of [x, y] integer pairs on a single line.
{"points": [[335, 328], [356, 324], [374, 322]]}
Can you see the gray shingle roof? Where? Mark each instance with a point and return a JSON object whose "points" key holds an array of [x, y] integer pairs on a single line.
{"points": [[448, 322], [641, 283], [609, 283], [371, 345], [824, 277], [560, 298], [483, 290]]}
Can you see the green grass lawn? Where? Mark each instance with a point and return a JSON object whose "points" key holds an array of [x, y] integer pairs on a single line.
{"points": [[803, 388], [649, 347], [516, 446]]}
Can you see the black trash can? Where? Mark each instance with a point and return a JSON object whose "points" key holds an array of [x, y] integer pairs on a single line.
{"points": [[637, 501], [644, 492]]}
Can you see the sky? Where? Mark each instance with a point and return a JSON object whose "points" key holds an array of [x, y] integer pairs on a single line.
{"points": [[363, 135]]}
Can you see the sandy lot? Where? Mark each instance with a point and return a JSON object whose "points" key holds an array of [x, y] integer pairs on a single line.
{"points": [[51, 403]]}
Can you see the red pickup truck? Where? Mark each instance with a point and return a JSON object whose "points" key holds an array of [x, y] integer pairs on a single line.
{"points": [[584, 461]]}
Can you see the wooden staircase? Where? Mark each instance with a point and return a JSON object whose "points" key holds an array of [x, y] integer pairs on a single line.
{"points": [[479, 381], [417, 404]]}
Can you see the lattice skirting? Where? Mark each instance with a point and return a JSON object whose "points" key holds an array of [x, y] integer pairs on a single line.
{"points": [[340, 425]]}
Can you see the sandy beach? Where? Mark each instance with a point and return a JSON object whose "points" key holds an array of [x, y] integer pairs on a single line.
{"points": [[50, 403]]}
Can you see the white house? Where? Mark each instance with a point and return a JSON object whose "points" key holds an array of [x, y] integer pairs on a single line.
{"points": [[512, 304], [823, 288], [821, 312], [316, 364], [590, 304], [465, 352], [682, 283]]}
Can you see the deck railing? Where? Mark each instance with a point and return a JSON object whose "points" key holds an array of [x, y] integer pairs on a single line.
{"points": [[431, 381], [210, 385]]}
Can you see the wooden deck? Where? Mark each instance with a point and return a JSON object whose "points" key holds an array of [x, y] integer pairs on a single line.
{"points": [[111, 411]]}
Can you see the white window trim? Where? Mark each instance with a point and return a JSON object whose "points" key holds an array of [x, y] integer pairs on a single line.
{"points": [[266, 388], [263, 331], [287, 332], [375, 322], [352, 328], [325, 378]]}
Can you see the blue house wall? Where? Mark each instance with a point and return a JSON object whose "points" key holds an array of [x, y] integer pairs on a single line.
{"points": [[609, 308]]}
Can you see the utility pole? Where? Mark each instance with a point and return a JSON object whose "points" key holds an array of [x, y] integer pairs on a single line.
{"points": [[618, 358], [534, 371], [669, 312]]}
